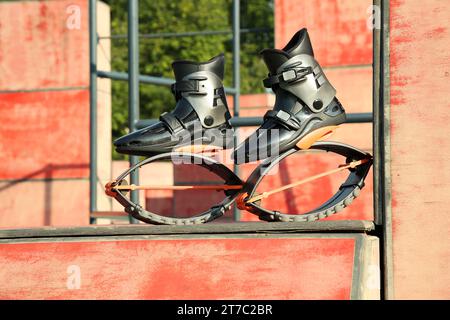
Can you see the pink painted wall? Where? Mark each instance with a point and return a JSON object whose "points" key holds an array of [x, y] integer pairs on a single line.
{"points": [[420, 156], [337, 27], [177, 268], [44, 110], [40, 48], [44, 131], [44, 107]]}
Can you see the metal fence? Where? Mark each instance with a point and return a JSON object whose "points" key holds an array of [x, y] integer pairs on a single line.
{"points": [[134, 78]]}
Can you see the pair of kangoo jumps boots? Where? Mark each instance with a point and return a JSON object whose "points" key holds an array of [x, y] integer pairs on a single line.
{"points": [[306, 110]]}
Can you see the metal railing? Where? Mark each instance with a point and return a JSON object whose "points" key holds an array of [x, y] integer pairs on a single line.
{"points": [[134, 78]]}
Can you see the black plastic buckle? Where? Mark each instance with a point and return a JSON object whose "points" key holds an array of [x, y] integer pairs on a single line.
{"points": [[285, 118], [293, 75], [287, 76]]}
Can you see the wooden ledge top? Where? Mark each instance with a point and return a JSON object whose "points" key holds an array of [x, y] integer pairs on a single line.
{"points": [[344, 226]]}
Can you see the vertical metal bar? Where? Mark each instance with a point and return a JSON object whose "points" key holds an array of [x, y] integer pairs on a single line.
{"points": [[377, 136], [236, 81], [133, 85], [93, 107], [376, 105], [385, 85]]}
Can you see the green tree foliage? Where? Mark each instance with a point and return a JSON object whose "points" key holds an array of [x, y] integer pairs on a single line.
{"points": [[157, 54]]}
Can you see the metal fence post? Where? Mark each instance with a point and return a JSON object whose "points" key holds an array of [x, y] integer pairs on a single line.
{"points": [[133, 86], [93, 107], [236, 81]]}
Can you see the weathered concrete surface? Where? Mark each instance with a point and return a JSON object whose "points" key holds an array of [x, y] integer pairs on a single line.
{"points": [[338, 28], [34, 203], [189, 267], [42, 129], [44, 44], [44, 108], [420, 148]]}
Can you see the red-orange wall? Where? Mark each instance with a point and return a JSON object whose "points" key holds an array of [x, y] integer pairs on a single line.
{"points": [[314, 266], [420, 148], [44, 110]]}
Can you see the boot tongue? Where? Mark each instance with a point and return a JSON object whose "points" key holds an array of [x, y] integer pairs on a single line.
{"points": [[182, 68], [299, 44]]}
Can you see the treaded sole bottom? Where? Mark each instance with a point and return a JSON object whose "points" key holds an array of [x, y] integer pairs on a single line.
{"points": [[315, 215]]}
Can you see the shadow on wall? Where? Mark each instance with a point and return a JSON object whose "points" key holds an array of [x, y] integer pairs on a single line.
{"points": [[48, 188]]}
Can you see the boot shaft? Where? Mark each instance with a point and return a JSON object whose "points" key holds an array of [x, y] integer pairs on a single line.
{"points": [[200, 84], [216, 65], [295, 70]]}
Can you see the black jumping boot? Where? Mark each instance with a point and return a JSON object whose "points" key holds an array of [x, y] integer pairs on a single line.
{"points": [[200, 118], [305, 110]]}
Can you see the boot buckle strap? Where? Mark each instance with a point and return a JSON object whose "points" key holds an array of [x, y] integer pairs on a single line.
{"points": [[287, 76], [184, 86], [192, 86], [172, 122], [285, 118]]}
